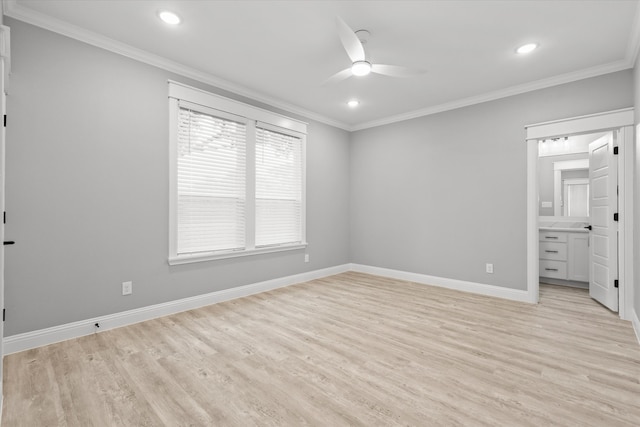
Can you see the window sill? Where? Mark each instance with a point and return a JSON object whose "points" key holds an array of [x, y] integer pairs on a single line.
{"points": [[213, 256]]}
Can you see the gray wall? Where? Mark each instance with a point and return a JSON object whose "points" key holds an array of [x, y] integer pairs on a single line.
{"points": [[444, 194], [87, 189], [546, 178]]}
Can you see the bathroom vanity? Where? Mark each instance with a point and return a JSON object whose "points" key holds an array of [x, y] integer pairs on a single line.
{"points": [[564, 254]]}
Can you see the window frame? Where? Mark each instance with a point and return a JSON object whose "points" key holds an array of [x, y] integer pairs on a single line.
{"points": [[210, 103]]}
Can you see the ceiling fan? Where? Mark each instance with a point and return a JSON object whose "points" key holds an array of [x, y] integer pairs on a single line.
{"points": [[353, 42]]}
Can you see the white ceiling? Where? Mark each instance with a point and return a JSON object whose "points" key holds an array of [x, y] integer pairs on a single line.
{"points": [[282, 51]]}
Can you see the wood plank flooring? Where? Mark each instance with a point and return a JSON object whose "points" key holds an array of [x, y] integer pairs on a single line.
{"points": [[351, 349]]}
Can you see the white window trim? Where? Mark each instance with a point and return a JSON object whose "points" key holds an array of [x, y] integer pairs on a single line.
{"points": [[180, 94], [216, 255]]}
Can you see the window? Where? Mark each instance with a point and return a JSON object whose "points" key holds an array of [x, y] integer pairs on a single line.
{"points": [[211, 182], [237, 178], [278, 188]]}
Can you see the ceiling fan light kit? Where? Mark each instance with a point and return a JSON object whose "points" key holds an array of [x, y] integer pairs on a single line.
{"points": [[361, 68]]}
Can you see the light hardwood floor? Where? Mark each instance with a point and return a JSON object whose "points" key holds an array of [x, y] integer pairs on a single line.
{"points": [[352, 349]]}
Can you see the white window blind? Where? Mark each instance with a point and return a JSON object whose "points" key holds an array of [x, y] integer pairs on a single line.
{"points": [[210, 183], [237, 178], [278, 188]]}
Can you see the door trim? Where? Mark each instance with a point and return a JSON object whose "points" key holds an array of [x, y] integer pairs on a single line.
{"points": [[591, 123], [622, 120]]}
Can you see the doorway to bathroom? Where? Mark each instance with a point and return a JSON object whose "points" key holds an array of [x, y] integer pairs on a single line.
{"points": [[577, 179], [579, 189]]}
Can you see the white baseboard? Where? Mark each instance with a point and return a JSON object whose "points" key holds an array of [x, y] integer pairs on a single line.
{"points": [[635, 321], [443, 282], [42, 337]]}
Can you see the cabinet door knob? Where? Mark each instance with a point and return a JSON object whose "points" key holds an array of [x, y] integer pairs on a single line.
{"points": [[9, 242], [588, 227]]}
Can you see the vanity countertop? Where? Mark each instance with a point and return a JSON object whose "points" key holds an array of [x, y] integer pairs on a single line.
{"points": [[574, 227]]}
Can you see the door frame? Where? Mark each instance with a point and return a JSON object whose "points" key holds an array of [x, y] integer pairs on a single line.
{"points": [[618, 120], [5, 69]]}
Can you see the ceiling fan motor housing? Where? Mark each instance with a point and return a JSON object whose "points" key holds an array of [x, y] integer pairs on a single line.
{"points": [[363, 35]]}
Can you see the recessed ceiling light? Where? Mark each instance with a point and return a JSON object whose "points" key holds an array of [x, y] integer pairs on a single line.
{"points": [[526, 48], [361, 68], [353, 103], [169, 17]]}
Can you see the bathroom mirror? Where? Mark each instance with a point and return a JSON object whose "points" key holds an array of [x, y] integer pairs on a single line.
{"points": [[563, 176]]}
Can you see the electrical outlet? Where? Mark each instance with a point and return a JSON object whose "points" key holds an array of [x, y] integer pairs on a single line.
{"points": [[490, 268], [306, 257], [127, 288]]}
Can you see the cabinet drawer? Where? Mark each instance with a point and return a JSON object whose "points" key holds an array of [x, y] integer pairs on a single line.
{"points": [[553, 236], [554, 269], [553, 251]]}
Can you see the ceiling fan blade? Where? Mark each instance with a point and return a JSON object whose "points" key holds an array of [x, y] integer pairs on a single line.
{"points": [[395, 70], [338, 77], [350, 41]]}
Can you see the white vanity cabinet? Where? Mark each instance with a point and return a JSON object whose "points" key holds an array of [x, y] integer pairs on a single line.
{"points": [[578, 257], [564, 255]]}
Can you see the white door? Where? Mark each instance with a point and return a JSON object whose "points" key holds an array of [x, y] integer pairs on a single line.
{"points": [[603, 202]]}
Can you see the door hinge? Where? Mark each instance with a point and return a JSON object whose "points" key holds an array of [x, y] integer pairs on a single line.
{"points": [[615, 149], [615, 216], [615, 283]]}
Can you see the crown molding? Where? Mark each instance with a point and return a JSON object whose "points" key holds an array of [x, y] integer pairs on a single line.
{"points": [[633, 47], [16, 11], [503, 93]]}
